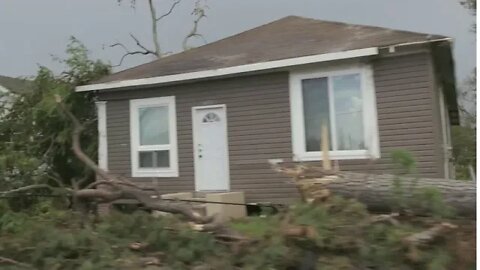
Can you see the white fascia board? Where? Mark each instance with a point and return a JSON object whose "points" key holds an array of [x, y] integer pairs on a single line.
{"points": [[231, 70], [418, 42]]}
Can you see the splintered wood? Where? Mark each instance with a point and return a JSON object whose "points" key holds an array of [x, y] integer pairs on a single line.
{"points": [[325, 142], [312, 183]]}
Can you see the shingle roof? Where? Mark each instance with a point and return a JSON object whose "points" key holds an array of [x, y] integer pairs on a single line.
{"points": [[285, 38], [15, 85]]}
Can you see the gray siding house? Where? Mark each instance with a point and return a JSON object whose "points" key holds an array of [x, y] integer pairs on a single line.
{"points": [[10, 88], [212, 118]]}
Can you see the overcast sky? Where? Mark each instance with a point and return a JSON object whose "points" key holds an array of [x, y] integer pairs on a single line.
{"points": [[33, 30]]}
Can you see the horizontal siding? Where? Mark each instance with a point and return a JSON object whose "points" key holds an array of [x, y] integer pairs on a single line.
{"points": [[258, 112], [258, 115], [404, 89]]}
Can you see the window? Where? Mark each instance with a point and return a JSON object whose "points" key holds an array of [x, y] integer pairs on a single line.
{"points": [[153, 137], [211, 117], [342, 100]]}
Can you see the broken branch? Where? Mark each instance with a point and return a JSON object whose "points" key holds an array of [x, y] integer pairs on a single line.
{"points": [[428, 235], [4, 260], [37, 186]]}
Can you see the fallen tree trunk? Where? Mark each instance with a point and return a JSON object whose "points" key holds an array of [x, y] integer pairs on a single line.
{"points": [[376, 191]]}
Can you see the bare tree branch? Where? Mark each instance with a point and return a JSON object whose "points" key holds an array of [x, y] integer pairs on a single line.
{"points": [[25, 188], [4, 260], [100, 195], [144, 50], [172, 7], [141, 46], [118, 44], [428, 235], [56, 179], [199, 11], [82, 180], [111, 183], [153, 14]]}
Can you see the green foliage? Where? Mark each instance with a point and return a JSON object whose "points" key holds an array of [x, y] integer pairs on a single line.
{"points": [[35, 137], [342, 236], [404, 164], [464, 144], [56, 241], [403, 161], [406, 196], [430, 200]]}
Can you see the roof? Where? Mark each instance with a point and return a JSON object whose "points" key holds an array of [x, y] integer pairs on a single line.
{"points": [[15, 85], [290, 37]]}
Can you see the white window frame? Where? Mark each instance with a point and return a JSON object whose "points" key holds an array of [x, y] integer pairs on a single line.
{"points": [[369, 113], [135, 105]]}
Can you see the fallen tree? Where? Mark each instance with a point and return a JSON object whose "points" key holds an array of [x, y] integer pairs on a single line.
{"points": [[383, 193], [376, 190]]}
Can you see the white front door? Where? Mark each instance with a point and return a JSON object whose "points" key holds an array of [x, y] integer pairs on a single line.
{"points": [[210, 146]]}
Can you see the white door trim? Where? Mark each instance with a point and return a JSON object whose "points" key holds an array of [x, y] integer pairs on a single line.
{"points": [[102, 134], [195, 140]]}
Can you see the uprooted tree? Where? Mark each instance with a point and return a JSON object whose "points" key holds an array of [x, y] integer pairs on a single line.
{"points": [[464, 136]]}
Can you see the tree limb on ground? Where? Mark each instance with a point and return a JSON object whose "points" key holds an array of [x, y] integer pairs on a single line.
{"points": [[4, 260], [116, 188], [27, 188], [429, 235]]}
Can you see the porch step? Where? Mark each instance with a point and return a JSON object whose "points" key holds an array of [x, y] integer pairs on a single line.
{"points": [[226, 211], [219, 206]]}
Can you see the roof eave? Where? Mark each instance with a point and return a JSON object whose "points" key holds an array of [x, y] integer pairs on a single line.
{"points": [[221, 72], [418, 42], [248, 68]]}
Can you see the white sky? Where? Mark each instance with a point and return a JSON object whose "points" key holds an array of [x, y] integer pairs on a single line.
{"points": [[33, 30]]}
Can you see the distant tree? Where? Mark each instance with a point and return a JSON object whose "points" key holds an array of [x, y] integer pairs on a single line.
{"points": [[464, 136], [198, 12], [471, 5]]}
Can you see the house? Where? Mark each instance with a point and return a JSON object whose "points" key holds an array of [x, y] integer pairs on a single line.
{"points": [[211, 118], [10, 87]]}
